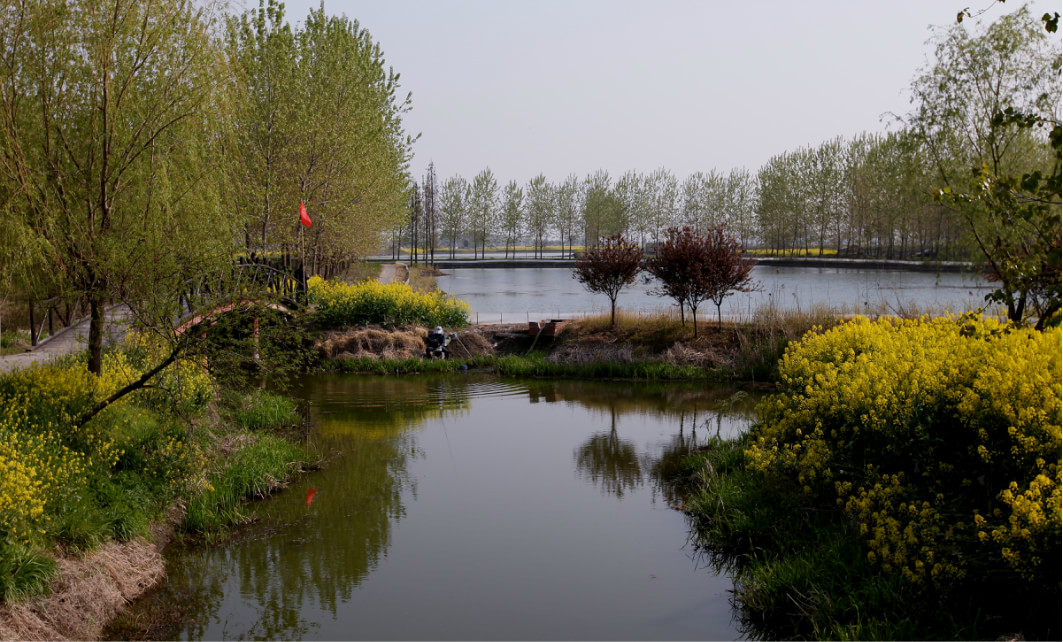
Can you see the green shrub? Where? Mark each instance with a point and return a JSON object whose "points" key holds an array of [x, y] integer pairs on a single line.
{"points": [[936, 444], [78, 486]]}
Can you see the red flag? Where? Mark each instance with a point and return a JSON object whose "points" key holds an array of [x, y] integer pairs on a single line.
{"points": [[303, 218]]}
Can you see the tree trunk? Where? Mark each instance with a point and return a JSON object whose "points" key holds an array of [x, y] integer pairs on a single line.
{"points": [[96, 313]]}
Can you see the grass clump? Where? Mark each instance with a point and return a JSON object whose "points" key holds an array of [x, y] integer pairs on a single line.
{"points": [[905, 484], [24, 572], [257, 465], [263, 410]]}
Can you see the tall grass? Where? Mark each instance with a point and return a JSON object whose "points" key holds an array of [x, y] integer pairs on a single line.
{"points": [[257, 468], [264, 410], [799, 567]]}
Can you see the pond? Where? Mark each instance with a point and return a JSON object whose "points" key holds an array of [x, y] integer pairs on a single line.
{"points": [[520, 294], [473, 507]]}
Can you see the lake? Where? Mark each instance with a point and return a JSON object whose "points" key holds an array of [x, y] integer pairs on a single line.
{"points": [[522, 294], [473, 507]]}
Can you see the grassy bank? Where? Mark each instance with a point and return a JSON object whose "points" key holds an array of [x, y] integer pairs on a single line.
{"points": [[641, 347], [905, 484], [68, 491]]}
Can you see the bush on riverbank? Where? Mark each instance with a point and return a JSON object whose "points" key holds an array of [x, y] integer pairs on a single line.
{"points": [[341, 305], [934, 444], [72, 489], [78, 487]]}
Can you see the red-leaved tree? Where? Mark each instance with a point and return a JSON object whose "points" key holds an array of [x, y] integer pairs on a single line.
{"points": [[607, 268], [693, 267]]}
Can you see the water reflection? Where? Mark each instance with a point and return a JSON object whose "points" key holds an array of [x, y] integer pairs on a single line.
{"points": [[610, 462], [450, 510]]}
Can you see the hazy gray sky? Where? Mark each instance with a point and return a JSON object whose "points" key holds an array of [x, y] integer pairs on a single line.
{"points": [[574, 86]]}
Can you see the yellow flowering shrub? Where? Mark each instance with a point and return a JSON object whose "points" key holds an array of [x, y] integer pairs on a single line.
{"points": [[940, 437], [342, 304]]}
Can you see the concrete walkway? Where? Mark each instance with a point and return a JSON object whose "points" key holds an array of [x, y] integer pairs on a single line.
{"points": [[69, 340]]}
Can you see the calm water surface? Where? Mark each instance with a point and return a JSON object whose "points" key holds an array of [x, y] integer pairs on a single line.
{"points": [[474, 508], [514, 295]]}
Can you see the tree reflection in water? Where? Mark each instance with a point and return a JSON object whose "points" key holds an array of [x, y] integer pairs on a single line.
{"points": [[291, 573], [610, 462]]}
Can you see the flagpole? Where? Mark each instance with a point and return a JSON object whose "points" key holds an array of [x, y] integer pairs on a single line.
{"points": [[304, 221], [302, 265]]}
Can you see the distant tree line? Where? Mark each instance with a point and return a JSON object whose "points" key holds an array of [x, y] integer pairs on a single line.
{"points": [[874, 195]]}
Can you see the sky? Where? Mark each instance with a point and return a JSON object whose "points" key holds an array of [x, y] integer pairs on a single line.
{"points": [[574, 86]]}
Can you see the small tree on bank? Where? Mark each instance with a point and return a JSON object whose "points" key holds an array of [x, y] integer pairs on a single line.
{"points": [[726, 271], [692, 267], [607, 268]]}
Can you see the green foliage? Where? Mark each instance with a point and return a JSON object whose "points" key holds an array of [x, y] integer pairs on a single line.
{"points": [[987, 113], [536, 364], [138, 209], [333, 137], [800, 568], [255, 342], [340, 305]]}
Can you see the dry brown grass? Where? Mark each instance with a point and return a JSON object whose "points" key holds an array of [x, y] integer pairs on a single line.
{"points": [[373, 342], [89, 591], [423, 278], [404, 343]]}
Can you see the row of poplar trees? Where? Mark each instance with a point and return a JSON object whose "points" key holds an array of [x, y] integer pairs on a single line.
{"points": [[145, 144], [872, 195]]}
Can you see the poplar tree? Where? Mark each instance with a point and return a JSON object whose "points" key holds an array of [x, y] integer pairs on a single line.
{"points": [[512, 220], [539, 211], [483, 209], [568, 210], [454, 201]]}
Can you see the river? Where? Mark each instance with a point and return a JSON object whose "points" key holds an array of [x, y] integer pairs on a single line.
{"points": [[516, 295], [473, 507]]}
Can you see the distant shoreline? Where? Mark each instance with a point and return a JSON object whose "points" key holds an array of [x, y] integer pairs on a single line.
{"points": [[854, 264]]}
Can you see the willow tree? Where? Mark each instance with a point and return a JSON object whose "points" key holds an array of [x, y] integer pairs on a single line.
{"points": [[323, 120], [988, 112], [111, 121]]}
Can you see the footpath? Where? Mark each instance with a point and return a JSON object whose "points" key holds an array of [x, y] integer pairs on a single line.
{"points": [[70, 339], [116, 320]]}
